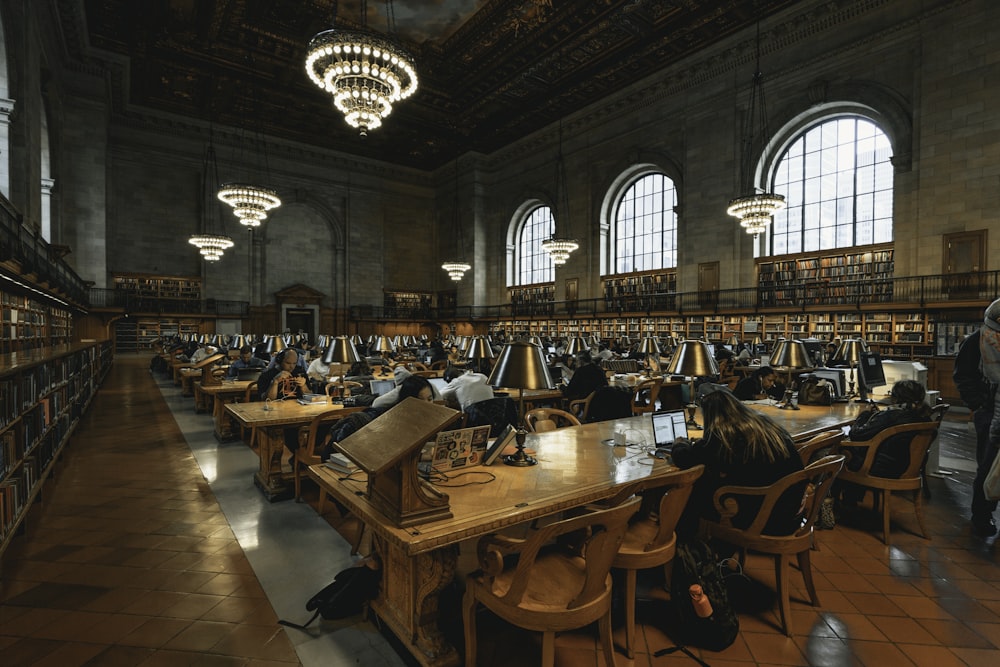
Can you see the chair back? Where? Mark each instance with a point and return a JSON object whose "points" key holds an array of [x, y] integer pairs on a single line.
{"points": [[663, 501], [250, 394], [921, 435], [816, 479], [816, 446], [494, 412], [541, 420], [595, 538], [644, 396], [608, 403], [938, 411]]}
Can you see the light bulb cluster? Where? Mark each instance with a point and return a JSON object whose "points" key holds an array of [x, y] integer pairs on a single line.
{"points": [[559, 249], [755, 211], [211, 246], [250, 202], [365, 75], [456, 270]]}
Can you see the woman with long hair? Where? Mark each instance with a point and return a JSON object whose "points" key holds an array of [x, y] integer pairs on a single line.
{"points": [[742, 447]]}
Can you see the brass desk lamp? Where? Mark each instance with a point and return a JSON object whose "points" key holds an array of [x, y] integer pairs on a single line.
{"points": [[576, 346], [849, 351], [341, 351], [521, 366], [649, 347], [692, 358], [479, 353], [275, 344], [383, 345], [790, 355]]}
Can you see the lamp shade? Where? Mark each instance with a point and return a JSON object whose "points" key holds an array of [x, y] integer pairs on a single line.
{"points": [[341, 351], [649, 345], [693, 358], [479, 348], [521, 365], [576, 345], [734, 340], [275, 344], [757, 341], [357, 340], [463, 343], [850, 350], [535, 340], [625, 342], [790, 354], [383, 344], [237, 342]]}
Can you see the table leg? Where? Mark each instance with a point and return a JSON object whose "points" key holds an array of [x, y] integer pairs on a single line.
{"points": [[269, 478], [408, 600], [223, 425]]}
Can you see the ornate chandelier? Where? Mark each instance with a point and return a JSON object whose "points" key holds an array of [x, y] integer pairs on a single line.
{"points": [[364, 73], [211, 246], [456, 270], [457, 267], [559, 249], [250, 202], [754, 209]]}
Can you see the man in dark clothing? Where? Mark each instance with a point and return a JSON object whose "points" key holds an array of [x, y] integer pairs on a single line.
{"points": [[587, 378], [977, 393]]}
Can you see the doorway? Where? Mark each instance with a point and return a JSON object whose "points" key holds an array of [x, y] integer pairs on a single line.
{"points": [[301, 319]]}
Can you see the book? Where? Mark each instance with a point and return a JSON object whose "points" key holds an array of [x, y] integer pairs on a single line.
{"points": [[341, 463], [312, 398], [505, 438]]}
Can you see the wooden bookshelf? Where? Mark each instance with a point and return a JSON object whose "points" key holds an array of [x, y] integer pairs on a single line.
{"points": [[641, 292], [150, 288], [831, 278], [43, 394], [134, 334], [29, 324], [532, 299], [405, 304]]}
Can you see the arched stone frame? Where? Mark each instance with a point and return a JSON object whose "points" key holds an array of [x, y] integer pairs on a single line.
{"points": [[514, 227], [338, 287], [826, 101], [642, 165], [6, 111]]}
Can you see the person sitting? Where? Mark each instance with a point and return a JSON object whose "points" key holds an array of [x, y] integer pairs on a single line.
{"points": [[284, 379], [893, 455], [740, 447], [762, 383], [411, 386], [587, 378], [203, 353], [245, 360], [390, 398], [725, 360], [318, 372], [467, 388]]}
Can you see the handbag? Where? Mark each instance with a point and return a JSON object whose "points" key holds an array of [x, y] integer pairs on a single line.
{"points": [[815, 391], [991, 485]]}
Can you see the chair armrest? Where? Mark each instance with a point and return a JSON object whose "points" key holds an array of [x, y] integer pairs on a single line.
{"points": [[491, 549]]}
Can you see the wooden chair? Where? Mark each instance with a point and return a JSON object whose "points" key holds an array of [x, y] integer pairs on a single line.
{"points": [[308, 454], [808, 449], [334, 388], [416, 366], [580, 406], [650, 540], [644, 396], [540, 420], [439, 365], [553, 586], [249, 396], [819, 477], [922, 435]]}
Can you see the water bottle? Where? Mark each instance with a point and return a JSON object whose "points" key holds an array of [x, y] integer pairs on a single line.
{"points": [[700, 602]]}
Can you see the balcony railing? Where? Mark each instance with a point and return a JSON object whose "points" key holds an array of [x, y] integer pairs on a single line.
{"points": [[939, 291], [138, 304]]}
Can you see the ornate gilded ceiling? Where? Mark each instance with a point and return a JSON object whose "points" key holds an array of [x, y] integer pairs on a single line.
{"points": [[490, 71]]}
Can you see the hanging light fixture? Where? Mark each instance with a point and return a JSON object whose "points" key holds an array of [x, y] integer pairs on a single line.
{"points": [[211, 245], [364, 72], [754, 209], [251, 203], [559, 249], [456, 268]]}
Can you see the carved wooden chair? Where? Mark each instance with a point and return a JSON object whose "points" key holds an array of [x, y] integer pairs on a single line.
{"points": [[334, 388], [540, 420], [922, 435], [249, 396], [650, 540], [554, 585], [439, 365], [309, 449], [817, 478], [580, 406], [809, 449], [644, 396]]}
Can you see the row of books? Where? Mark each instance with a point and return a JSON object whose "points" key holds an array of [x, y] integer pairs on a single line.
{"points": [[12, 498]]}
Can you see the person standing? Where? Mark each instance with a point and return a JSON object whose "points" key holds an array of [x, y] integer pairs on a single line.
{"points": [[977, 376]]}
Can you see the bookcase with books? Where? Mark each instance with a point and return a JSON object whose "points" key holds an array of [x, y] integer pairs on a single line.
{"points": [[43, 394], [406, 304], [533, 299], [148, 289], [838, 278], [641, 292], [28, 324]]}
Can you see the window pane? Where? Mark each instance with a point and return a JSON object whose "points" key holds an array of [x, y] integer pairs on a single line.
{"points": [[534, 264], [645, 235]]}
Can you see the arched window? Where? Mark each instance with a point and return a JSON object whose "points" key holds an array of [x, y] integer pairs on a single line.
{"points": [[837, 180], [645, 234], [533, 264]]}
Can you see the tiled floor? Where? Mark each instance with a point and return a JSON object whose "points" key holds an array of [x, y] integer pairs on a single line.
{"points": [[139, 557]]}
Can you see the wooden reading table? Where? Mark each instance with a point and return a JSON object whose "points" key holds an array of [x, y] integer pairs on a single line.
{"points": [[269, 419], [575, 467], [228, 391]]}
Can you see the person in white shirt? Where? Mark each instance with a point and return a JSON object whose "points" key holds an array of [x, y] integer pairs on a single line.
{"points": [[203, 353], [466, 389], [317, 370], [391, 397]]}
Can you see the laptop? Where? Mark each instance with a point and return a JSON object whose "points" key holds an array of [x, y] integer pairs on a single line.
{"points": [[248, 374], [456, 449], [438, 383], [380, 387], [668, 425]]}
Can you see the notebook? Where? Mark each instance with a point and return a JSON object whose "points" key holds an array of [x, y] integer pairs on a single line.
{"points": [[669, 425]]}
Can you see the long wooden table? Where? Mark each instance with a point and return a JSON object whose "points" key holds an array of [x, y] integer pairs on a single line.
{"points": [[269, 421], [575, 467], [228, 391]]}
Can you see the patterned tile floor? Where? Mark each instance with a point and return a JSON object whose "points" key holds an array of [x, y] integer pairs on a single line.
{"points": [[151, 547]]}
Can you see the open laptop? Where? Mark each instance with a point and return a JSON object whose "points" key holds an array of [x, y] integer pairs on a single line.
{"points": [[380, 387], [438, 383], [248, 374], [668, 425], [456, 449]]}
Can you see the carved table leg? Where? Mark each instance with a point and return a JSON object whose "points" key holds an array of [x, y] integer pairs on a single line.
{"points": [[270, 445]]}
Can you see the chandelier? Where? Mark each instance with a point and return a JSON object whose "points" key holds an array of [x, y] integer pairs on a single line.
{"points": [[754, 209], [250, 202], [211, 246], [559, 249], [456, 268], [365, 73]]}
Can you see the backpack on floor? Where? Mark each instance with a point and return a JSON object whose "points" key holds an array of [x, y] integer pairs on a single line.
{"points": [[346, 596], [695, 563]]}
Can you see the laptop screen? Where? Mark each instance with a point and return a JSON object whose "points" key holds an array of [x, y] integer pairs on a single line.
{"points": [[438, 383], [380, 387], [668, 426]]}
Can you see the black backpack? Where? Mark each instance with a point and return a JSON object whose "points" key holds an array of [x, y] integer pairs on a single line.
{"points": [[696, 563], [346, 596]]}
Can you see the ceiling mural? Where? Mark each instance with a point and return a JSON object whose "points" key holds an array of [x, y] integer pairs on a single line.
{"points": [[490, 71]]}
